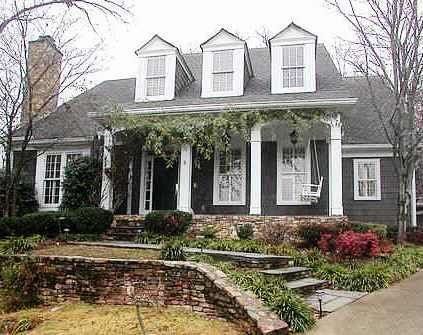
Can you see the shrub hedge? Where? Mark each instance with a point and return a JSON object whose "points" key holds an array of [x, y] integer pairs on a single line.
{"points": [[170, 223], [88, 220]]}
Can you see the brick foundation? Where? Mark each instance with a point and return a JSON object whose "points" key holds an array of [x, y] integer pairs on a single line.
{"points": [[201, 288]]}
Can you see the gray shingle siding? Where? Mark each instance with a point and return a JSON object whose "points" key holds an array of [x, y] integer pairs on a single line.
{"points": [[383, 211]]}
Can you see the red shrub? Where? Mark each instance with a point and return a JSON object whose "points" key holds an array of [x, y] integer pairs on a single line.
{"points": [[357, 245], [326, 242]]}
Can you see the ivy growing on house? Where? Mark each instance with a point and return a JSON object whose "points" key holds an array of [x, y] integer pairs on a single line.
{"points": [[164, 134]]}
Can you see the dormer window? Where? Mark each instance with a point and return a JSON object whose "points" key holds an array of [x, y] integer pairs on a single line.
{"points": [[162, 71], [223, 71], [226, 66], [156, 76], [293, 61], [293, 66]]}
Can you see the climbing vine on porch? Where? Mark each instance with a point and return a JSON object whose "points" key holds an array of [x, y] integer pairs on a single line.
{"points": [[164, 134]]}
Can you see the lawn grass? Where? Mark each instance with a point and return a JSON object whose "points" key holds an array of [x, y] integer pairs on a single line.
{"points": [[97, 252], [84, 319]]}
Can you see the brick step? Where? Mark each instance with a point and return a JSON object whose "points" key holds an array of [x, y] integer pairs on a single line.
{"points": [[289, 273], [307, 285]]}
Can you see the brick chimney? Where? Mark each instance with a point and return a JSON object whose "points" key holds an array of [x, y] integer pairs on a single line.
{"points": [[43, 78]]}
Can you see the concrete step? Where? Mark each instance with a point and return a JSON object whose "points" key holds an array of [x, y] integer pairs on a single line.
{"points": [[289, 273], [306, 285]]}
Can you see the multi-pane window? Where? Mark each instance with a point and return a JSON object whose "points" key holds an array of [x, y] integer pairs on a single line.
{"points": [[367, 179], [223, 71], [156, 76], [52, 179], [229, 176], [293, 66], [293, 173]]}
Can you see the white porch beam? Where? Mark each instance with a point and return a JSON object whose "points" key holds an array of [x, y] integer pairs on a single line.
{"points": [[185, 175], [335, 166], [255, 178], [129, 192], [413, 201], [106, 182]]}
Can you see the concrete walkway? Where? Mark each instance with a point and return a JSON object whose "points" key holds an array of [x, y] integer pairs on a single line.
{"points": [[397, 310]]}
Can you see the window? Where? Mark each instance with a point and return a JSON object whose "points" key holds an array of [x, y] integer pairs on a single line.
{"points": [[293, 66], [229, 177], [367, 179], [223, 71], [293, 171], [52, 179], [156, 75]]}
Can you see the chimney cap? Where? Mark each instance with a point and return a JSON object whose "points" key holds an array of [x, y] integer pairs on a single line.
{"points": [[49, 39]]}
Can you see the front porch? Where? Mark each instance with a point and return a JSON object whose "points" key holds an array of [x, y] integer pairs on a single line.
{"points": [[263, 177]]}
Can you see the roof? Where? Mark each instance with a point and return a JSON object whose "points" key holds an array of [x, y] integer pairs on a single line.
{"points": [[72, 120]]}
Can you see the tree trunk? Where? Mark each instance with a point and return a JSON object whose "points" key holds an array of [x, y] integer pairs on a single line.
{"points": [[404, 205]]}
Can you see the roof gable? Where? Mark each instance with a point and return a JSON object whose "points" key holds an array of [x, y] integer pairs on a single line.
{"points": [[222, 37], [156, 43], [292, 31]]}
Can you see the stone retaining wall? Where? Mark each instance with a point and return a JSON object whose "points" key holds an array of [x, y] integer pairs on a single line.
{"points": [[199, 287], [226, 225]]}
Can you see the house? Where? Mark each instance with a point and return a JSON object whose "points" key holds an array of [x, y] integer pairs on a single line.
{"points": [[346, 156]]}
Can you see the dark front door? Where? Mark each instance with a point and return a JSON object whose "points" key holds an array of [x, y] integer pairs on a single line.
{"points": [[164, 185]]}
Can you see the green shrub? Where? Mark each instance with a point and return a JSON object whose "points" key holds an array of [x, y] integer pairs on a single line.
{"points": [[209, 232], [311, 233], [82, 184], [26, 202], [170, 223], [245, 231], [20, 245], [380, 230], [90, 220], [173, 251], [19, 285], [43, 223], [5, 225]]}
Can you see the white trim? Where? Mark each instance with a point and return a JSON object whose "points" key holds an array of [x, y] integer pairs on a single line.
{"points": [[185, 175], [366, 150], [130, 179], [216, 201], [335, 165], [40, 175], [144, 158], [239, 106], [255, 177], [279, 201], [375, 161]]}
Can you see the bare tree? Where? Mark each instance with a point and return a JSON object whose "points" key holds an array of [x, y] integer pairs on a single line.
{"points": [[13, 10], [386, 51], [25, 95], [264, 35]]}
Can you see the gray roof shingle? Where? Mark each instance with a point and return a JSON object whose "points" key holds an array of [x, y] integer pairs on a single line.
{"points": [[72, 120]]}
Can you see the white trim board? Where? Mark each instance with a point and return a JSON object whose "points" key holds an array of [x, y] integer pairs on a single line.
{"points": [[366, 150]]}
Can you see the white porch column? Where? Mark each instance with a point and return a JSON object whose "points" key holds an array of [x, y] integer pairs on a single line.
{"points": [[129, 192], [255, 178], [185, 174], [413, 201], [106, 182], [335, 166]]}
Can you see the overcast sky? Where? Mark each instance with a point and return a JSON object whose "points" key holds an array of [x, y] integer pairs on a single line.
{"points": [[188, 23]]}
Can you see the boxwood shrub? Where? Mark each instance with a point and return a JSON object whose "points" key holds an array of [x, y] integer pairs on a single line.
{"points": [[81, 221], [170, 223]]}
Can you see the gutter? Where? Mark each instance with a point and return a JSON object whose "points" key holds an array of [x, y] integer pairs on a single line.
{"points": [[240, 106], [56, 141]]}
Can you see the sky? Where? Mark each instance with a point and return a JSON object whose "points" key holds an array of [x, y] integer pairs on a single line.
{"points": [[188, 23]]}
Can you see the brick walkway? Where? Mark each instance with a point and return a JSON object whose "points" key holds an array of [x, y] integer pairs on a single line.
{"points": [[397, 310]]}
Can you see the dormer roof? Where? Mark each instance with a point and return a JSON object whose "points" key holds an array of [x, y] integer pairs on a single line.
{"points": [[292, 31], [225, 38], [156, 45]]}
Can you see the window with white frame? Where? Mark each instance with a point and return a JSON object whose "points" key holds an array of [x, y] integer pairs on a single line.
{"points": [[156, 76], [229, 177], [367, 179], [52, 179], [223, 71], [293, 66], [293, 170]]}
